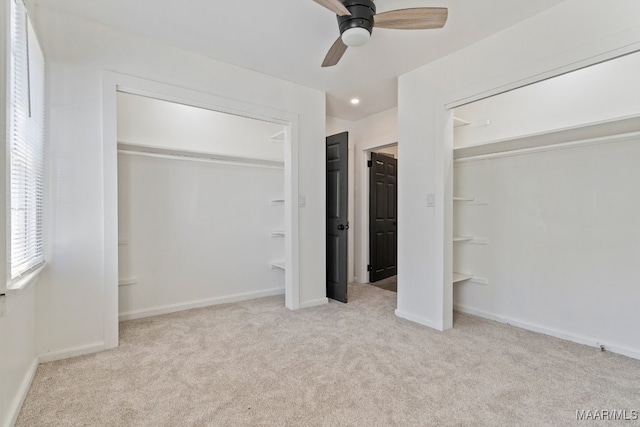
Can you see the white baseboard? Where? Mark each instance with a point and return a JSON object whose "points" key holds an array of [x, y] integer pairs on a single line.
{"points": [[590, 341], [314, 303], [419, 320], [16, 404], [71, 352], [166, 309]]}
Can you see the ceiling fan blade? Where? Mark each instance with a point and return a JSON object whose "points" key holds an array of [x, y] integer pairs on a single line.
{"points": [[419, 18], [335, 53], [335, 6]]}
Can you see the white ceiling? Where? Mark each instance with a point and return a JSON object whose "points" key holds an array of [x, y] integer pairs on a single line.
{"points": [[289, 39]]}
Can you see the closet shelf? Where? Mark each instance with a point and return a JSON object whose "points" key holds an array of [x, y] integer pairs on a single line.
{"points": [[277, 233], [585, 133], [128, 281], [278, 264], [468, 201], [192, 155], [460, 277], [278, 137], [457, 122], [474, 240]]}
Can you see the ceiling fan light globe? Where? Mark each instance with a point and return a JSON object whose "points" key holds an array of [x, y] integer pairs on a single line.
{"points": [[355, 37]]}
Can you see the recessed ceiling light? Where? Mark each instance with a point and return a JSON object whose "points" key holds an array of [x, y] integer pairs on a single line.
{"points": [[355, 101]]}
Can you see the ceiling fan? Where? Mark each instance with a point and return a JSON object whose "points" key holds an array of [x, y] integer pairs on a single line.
{"points": [[356, 19]]}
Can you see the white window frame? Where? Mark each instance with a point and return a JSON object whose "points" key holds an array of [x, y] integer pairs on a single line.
{"points": [[34, 136], [4, 101]]}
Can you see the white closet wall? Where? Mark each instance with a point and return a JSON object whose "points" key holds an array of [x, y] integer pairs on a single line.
{"points": [[156, 123], [195, 231], [602, 92], [556, 227], [563, 229]]}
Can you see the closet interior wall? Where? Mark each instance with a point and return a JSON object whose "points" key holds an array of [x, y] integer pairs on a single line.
{"points": [[197, 225], [546, 237]]}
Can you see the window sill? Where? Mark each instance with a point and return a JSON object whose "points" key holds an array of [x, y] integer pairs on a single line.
{"points": [[10, 299], [26, 280]]}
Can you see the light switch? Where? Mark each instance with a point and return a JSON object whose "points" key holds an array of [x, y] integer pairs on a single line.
{"points": [[431, 200], [302, 201]]}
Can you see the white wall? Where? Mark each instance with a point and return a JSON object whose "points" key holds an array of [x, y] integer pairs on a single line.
{"points": [[196, 233], [571, 35], [600, 92], [336, 125], [563, 229], [152, 122], [71, 305], [18, 360]]}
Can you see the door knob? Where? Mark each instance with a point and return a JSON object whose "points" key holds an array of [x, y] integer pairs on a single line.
{"points": [[341, 227]]}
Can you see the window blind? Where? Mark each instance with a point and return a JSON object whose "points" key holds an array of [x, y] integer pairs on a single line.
{"points": [[26, 149]]}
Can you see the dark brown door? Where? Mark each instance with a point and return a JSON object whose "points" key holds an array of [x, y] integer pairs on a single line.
{"points": [[383, 209], [337, 215]]}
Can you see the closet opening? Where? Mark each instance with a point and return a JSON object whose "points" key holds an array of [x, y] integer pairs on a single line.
{"points": [[544, 212], [202, 207]]}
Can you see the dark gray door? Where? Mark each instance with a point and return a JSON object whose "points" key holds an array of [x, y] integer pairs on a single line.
{"points": [[337, 224], [383, 209]]}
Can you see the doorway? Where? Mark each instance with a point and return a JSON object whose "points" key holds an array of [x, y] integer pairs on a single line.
{"points": [[177, 165], [383, 222], [112, 83]]}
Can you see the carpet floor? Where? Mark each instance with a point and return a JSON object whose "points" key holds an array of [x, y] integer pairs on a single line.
{"points": [[355, 364]]}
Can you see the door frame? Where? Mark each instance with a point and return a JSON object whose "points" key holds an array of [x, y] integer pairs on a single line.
{"points": [[116, 82], [363, 211]]}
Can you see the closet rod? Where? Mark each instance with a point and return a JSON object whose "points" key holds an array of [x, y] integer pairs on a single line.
{"points": [[194, 156]]}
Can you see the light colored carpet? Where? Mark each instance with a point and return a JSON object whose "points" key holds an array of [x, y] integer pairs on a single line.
{"points": [[355, 364]]}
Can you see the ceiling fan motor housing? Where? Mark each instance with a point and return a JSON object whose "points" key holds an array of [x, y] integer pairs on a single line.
{"points": [[362, 12]]}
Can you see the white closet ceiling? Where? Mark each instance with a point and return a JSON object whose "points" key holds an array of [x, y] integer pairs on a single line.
{"points": [[289, 39]]}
